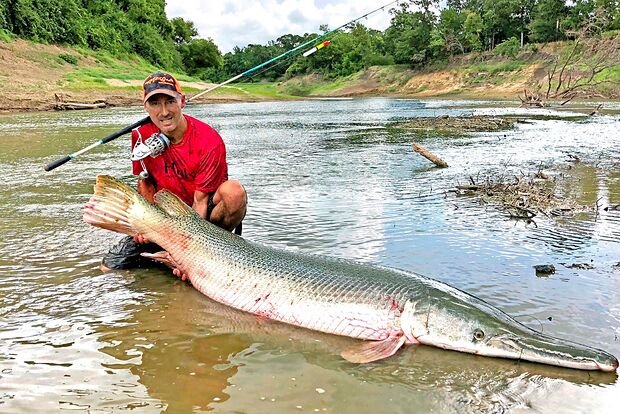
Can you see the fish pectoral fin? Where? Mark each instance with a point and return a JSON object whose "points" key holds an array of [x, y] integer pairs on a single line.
{"points": [[172, 204], [162, 257], [374, 350]]}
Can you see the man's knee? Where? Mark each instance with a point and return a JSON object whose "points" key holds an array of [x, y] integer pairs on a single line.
{"points": [[233, 194]]}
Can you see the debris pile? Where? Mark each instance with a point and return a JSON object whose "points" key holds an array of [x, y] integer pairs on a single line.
{"points": [[459, 124], [523, 197]]}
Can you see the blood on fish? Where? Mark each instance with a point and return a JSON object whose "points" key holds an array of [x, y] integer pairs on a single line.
{"points": [[394, 305]]}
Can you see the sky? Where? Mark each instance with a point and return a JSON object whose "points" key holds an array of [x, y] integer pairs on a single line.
{"points": [[239, 23]]}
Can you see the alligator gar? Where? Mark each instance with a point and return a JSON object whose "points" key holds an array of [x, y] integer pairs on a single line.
{"points": [[386, 307]]}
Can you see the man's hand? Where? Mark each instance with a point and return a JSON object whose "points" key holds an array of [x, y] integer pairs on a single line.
{"points": [[165, 258], [141, 239]]}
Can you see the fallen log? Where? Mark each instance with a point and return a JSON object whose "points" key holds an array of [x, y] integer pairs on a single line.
{"points": [[429, 156], [63, 106]]}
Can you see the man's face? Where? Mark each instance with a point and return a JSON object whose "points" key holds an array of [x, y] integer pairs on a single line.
{"points": [[165, 112]]}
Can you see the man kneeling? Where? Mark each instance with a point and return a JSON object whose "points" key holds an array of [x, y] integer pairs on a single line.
{"points": [[192, 166]]}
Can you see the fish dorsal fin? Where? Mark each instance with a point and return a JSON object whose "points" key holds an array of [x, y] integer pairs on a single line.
{"points": [[172, 204]]}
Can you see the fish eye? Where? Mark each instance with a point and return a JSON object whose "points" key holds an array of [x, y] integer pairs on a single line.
{"points": [[478, 335]]}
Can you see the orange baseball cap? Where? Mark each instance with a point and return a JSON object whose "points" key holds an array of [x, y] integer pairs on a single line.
{"points": [[161, 82]]}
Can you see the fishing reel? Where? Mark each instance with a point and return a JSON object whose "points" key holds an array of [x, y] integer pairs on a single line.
{"points": [[153, 146]]}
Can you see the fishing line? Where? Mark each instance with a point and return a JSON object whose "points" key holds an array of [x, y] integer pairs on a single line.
{"points": [[533, 317]]}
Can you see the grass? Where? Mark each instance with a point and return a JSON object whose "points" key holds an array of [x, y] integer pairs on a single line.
{"points": [[492, 69], [102, 66], [492, 73], [6, 36], [324, 87], [267, 89]]}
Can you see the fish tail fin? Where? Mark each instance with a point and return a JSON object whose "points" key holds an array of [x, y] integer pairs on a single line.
{"points": [[112, 206]]}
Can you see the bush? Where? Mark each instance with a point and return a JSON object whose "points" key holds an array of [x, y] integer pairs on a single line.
{"points": [[297, 89], [532, 47], [68, 58], [508, 47]]}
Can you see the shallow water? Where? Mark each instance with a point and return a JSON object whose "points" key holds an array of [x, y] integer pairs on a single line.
{"points": [[327, 177]]}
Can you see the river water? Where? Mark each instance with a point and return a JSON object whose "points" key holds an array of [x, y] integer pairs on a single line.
{"points": [[328, 177]]}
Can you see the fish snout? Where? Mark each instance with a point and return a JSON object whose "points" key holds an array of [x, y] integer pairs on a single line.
{"points": [[554, 351], [611, 367]]}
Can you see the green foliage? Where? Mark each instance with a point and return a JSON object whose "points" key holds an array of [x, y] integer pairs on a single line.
{"points": [[109, 67], [5, 36], [119, 26], [494, 69], [451, 28], [4, 16], [421, 32], [508, 47], [501, 20], [579, 15], [532, 47], [300, 88], [472, 28], [408, 37], [183, 30], [69, 58], [546, 25], [199, 56]]}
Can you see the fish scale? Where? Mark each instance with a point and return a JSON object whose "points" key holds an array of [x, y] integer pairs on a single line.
{"points": [[292, 291], [309, 291], [387, 307]]}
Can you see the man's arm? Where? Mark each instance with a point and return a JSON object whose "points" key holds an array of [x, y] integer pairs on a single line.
{"points": [[146, 188], [201, 203]]}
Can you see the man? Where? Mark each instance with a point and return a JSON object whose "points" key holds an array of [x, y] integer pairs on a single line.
{"points": [[193, 167]]}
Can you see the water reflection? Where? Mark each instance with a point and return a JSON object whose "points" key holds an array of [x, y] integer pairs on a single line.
{"points": [[171, 336], [214, 350]]}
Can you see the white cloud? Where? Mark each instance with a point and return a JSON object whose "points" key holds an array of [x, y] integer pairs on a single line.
{"points": [[234, 23]]}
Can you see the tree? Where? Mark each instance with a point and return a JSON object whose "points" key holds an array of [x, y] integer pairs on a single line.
{"points": [[199, 55], [472, 29], [589, 62], [450, 28], [546, 25], [183, 31], [501, 20], [49, 21], [579, 14], [4, 16], [426, 6], [610, 9], [525, 10], [290, 41], [408, 36]]}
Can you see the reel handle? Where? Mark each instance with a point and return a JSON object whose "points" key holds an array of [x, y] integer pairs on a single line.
{"points": [[57, 163]]}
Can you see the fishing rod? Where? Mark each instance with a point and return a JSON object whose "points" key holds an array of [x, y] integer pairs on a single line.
{"points": [[145, 120]]}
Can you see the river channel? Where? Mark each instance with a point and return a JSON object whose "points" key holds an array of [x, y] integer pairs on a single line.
{"points": [[329, 177]]}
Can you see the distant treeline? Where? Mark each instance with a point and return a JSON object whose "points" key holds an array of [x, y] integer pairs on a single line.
{"points": [[420, 32]]}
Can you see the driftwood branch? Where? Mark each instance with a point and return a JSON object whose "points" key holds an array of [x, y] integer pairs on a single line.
{"points": [[63, 105], [429, 156], [578, 72]]}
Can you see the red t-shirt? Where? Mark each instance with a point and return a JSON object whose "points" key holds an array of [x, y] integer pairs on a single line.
{"points": [[197, 163]]}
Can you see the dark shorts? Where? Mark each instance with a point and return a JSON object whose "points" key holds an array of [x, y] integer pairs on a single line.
{"points": [[126, 255]]}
